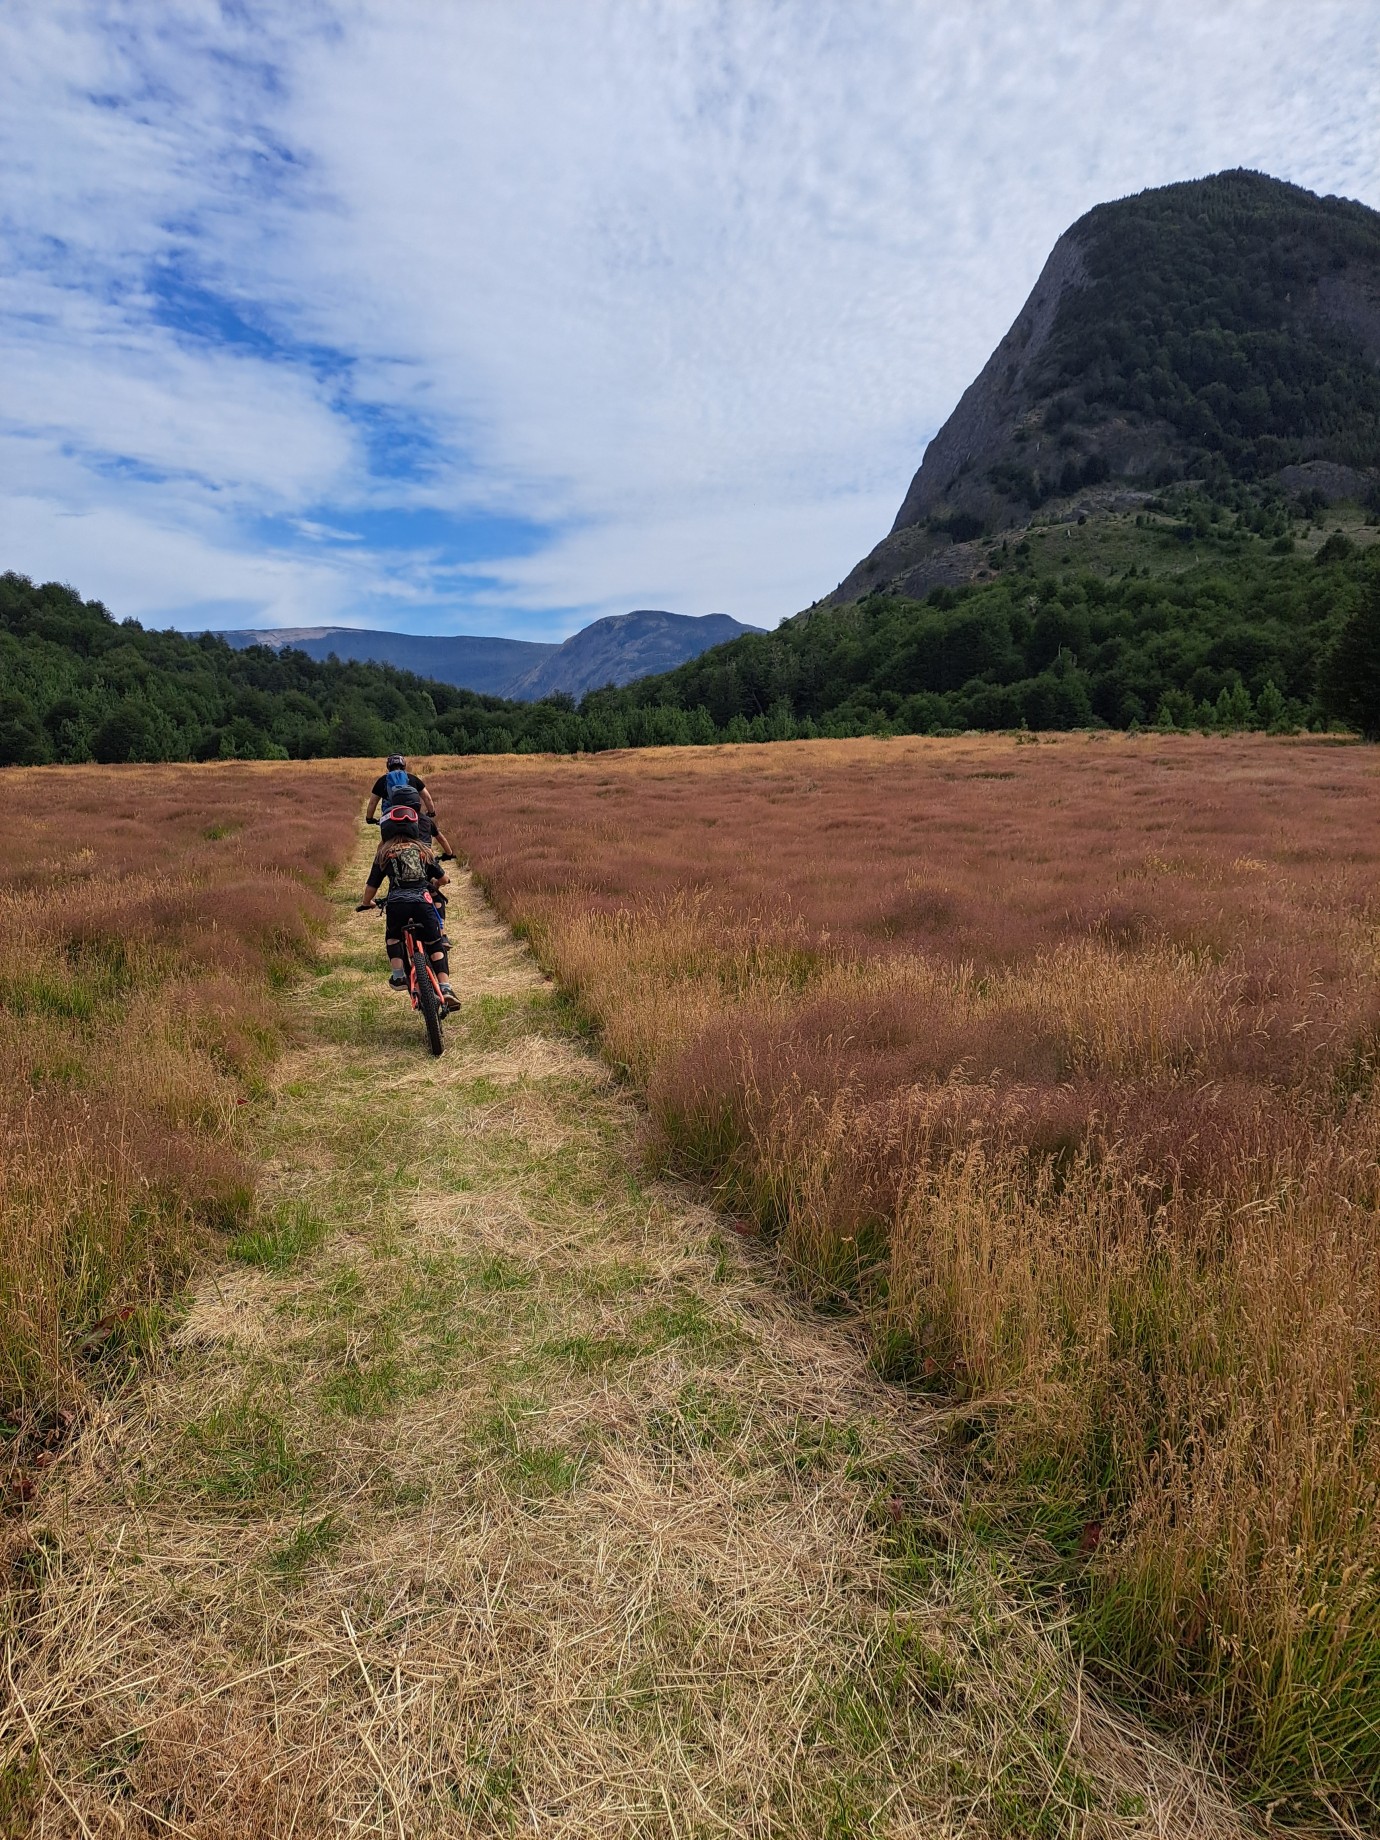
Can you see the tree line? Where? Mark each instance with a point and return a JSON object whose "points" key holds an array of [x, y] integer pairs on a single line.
{"points": [[1240, 638]]}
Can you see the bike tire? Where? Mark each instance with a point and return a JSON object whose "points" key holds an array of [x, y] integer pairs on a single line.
{"points": [[427, 1001]]}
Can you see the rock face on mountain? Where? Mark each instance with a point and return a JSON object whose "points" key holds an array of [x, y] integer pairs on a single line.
{"points": [[610, 651], [1227, 325], [624, 647]]}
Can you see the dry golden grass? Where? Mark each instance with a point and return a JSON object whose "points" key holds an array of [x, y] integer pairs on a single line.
{"points": [[144, 914], [522, 1501], [1059, 1059]]}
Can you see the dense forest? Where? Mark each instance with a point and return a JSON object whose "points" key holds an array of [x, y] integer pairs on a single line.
{"points": [[79, 685], [1246, 631], [1245, 635], [1208, 305]]}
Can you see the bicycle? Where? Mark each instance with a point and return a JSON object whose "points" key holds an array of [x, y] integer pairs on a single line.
{"points": [[423, 985]]}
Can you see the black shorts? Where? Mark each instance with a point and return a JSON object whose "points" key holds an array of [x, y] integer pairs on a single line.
{"points": [[426, 922]]}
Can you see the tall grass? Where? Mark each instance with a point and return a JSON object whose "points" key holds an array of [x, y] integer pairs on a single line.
{"points": [[1060, 1061], [145, 915]]}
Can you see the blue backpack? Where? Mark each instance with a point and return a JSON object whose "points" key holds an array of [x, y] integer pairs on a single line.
{"points": [[395, 780]]}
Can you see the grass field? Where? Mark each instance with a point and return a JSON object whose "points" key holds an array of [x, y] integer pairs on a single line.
{"points": [[1047, 1067], [1057, 1059], [491, 1487], [146, 916]]}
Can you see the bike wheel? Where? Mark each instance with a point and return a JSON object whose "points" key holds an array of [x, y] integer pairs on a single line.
{"points": [[427, 1000]]}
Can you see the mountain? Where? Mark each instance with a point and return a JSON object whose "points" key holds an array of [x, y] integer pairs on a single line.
{"points": [[487, 666], [623, 647], [1123, 519], [1225, 329], [610, 651]]}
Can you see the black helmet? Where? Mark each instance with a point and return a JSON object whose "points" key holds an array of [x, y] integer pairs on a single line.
{"points": [[398, 821], [395, 760]]}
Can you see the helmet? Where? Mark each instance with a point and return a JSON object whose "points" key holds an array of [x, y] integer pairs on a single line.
{"points": [[398, 821], [395, 760]]}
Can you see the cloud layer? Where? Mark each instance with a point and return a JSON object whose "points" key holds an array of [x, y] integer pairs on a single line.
{"points": [[500, 318]]}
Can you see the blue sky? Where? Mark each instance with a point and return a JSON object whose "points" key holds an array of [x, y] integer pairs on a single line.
{"points": [[469, 316]]}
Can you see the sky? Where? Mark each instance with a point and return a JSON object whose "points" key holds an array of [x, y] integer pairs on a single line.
{"points": [[498, 316]]}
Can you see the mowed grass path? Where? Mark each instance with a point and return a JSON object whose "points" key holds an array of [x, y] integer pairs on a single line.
{"points": [[492, 1489]]}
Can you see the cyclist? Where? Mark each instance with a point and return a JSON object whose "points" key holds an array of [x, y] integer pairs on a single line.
{"points": [[396, 786], [396, 778], [411, 870]]}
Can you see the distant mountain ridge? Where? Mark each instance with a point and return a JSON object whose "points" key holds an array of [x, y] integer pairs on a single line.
{"points": [[624, 647], [615, 650], [1224, 328], [486, 666]]}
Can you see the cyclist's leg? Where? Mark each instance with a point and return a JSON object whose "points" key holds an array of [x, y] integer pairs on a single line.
{"points": [[394, 916], [429, 930]]}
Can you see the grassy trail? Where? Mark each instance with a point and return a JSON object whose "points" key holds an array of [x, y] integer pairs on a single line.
{"points": [[491, 1490]]}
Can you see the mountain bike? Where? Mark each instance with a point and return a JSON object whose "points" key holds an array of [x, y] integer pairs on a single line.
{"points": [[423, 985]]}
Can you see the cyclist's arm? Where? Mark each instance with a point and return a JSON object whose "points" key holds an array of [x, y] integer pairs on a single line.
{"points": [[377, 873], [428, 805], [373, 806]]}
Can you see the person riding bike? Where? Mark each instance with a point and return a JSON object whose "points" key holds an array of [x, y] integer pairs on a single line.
{"points": [[397, 786], [410, 868], [396, 779]]}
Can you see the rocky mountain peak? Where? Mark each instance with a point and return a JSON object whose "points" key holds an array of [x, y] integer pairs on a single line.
{"points": [[1228, 324]]}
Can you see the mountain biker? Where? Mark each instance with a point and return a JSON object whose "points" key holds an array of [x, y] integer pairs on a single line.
{"points": [[395, 778], [407, 789], [410, 868]]}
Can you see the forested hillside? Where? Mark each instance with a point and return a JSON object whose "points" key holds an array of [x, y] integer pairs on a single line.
{"points": [[78, 685], [1238, 309], [1237, 633]]}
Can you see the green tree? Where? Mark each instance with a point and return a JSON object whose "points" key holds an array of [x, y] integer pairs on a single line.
{"points": [[22, 740], [356, 731], [125, 734], [1234, 709], [1270, 707], [1350, 675]]}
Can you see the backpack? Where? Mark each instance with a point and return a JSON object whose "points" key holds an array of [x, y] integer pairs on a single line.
{"points": [[407, 869], [395, 781]]}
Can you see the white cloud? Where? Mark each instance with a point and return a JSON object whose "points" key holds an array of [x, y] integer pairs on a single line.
{"points": [[84, 373], [127, 560], [690, 283], [710, 559]]}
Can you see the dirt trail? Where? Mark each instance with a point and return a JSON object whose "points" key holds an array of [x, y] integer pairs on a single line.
{"points": [[494, 1490]]}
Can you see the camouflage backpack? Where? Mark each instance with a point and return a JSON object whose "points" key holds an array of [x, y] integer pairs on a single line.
{"points": [[407, 868]]}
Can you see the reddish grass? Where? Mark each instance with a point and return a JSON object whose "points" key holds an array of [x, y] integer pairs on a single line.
{"points": [[145, 915], [1059, 1059]]}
